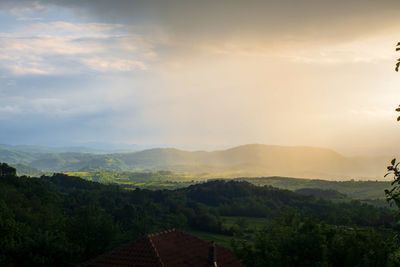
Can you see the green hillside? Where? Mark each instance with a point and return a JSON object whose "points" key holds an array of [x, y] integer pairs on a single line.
{"points": [[27, 170], [352, 189], [247, 161], [41, 217]]}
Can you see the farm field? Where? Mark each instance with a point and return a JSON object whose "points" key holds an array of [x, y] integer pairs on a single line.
{"points": [[372, 191]]}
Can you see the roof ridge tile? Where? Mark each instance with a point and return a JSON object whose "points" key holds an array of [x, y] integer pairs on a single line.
{"points": [[155, 251]]}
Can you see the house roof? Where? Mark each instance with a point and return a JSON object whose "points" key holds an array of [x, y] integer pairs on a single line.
{"points": [[168, 248]]}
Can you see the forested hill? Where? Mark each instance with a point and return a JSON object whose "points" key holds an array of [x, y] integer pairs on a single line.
{"points": [[61, 220], [247, 160]]}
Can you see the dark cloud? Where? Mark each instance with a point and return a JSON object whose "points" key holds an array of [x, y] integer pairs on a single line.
{"points": [[257, 19], [260, 20]]}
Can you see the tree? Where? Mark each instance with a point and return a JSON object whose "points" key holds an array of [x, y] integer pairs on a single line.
{"points": [[393, 194], [6, 170]]}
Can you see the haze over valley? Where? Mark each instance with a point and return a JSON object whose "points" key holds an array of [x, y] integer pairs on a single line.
{"points": [[254, 160]]}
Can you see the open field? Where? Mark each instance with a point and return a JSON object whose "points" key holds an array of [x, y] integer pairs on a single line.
{"points": [[362, 190]]}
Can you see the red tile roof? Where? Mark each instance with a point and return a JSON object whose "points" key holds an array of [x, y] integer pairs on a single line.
{"points": [[169, 248]]}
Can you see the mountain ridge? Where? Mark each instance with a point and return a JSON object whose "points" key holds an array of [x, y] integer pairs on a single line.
{"points": [[250, 160]]}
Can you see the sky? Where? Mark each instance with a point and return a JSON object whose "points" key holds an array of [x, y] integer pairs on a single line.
{"points": [[201, 74]]}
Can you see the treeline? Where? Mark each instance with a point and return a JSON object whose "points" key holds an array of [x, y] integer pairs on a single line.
{"points": [[353, 189], [61, 220], [290, 241], [232, 198]]}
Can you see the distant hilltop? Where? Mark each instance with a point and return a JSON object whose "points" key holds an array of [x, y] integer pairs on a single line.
{"points": [[247, 160]]}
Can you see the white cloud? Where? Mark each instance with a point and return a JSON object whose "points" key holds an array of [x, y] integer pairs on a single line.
{"points": [[63, 28], [369, 49], [21, 7], [51, 107], [113, 64], [9, 109], [67, 48], [28, 19]]}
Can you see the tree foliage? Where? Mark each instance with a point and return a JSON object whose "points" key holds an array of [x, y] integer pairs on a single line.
{"points": [[61, 220], [6, 170], [393, 194], [290, 241]]}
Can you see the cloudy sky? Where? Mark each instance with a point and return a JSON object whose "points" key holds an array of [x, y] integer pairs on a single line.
{"points": [[201, 74]]}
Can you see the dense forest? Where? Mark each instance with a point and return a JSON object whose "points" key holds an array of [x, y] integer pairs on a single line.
{"points": [[371, 189], [62, 220]]}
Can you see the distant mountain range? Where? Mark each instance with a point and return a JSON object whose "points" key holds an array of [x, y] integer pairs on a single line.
{"points": [[91, 148], [247, 160]]}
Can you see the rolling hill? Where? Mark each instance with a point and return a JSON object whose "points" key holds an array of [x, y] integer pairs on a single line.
{"points": [[248, 160]]}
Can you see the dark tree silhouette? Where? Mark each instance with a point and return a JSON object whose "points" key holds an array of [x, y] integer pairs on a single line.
{"points": [[398, 60], [393, 194], [6, 170]]}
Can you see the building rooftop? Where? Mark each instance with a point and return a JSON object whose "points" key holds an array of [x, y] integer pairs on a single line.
{"points": [[168, 248]]}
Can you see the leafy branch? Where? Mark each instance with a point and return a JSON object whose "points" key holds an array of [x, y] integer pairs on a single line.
{"points": [[398, 60], [393, 194], [398, 110]]}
